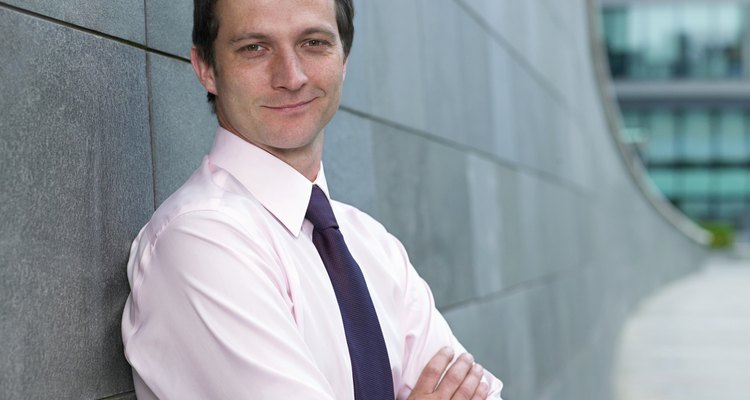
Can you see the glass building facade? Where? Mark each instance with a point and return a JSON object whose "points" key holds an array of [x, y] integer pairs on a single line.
{"points": [[679, 70], [653, 40]]}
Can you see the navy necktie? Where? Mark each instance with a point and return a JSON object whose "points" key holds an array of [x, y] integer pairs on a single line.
{"points": [[371, 368]]}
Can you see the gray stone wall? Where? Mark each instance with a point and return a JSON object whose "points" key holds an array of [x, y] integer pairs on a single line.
{"points": [[473, 129]]}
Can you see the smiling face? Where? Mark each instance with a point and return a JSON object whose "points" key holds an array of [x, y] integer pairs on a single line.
{"points": [[279, 69]]}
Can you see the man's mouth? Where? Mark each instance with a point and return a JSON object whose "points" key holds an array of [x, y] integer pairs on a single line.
{"points": [[291, 106]]}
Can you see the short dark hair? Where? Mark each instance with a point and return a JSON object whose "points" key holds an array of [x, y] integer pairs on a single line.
{"points": [[206, 27]]}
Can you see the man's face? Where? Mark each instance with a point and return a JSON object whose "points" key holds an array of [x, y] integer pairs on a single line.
{"points": [[279, 70]]}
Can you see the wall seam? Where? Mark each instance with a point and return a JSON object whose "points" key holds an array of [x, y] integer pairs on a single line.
{"points": [[518, 167], [149, 99], [120, 396], [94, 32], [515, 54], [524, 286], [525, 64]]}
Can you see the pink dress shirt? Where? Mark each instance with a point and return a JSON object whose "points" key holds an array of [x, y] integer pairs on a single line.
{"points": [[230, 299]]}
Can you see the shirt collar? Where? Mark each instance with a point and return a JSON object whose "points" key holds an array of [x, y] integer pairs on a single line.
{"points": [[281, 189]]}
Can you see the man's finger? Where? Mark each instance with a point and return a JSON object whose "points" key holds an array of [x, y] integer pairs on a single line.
{"points": [[470, 384], [482, 392], [456, 376], [432, 372]]}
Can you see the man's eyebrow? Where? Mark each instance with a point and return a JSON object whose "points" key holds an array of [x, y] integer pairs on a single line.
{"points": [[320, 30], [250, 36]]}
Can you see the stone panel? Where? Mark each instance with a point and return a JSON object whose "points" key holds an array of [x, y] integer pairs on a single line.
{"points": [[531, 33], [530, 228], [77, 186], [182, 123], [496, 226], [515, 267], [528, 114], [544, 327], [558, 233], [475, 106], [456, 93], [457, 105], [497, 333], [487, 225], [423, 200], [386, 66], [510, 22], [548, 222], [442, 77], [123, 19], [502, 101], [169, 26], [349, 163]]}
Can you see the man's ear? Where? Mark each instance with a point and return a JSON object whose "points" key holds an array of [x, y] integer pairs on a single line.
{"points": [[346, 61], [204, 71]]}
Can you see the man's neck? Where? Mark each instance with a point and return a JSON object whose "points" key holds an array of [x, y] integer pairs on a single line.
{"points": [[306, 160]]}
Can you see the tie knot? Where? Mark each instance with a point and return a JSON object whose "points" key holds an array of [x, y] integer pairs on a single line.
{"points": [[319, 210]]}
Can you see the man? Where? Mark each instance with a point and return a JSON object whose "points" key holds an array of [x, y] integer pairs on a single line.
{"points": [[248, 282]]}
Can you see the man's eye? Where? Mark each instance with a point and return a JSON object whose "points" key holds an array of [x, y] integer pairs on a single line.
{"points": [[253, 47], [316, 43]]}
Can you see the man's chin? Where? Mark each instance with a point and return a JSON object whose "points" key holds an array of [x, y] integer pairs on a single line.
{"points": [[289, 142]]}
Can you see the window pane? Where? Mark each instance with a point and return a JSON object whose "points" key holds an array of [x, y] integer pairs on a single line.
{"points": [[661, 137], [697, 136], [660, 50], [731, 211], [696, 182], [732, 138], [632, 127], [695, 30], [616, 29], [697, 210], [616, 36], [637, 41], [668, 40], [664, 181], [732, 182], [726, 26]]}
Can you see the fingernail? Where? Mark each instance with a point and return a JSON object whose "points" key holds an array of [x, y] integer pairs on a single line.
{"points": [[447, 350], [470, 357], [478, 368]]}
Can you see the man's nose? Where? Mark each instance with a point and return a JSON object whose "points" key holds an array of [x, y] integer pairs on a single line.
{"points": [[288, 72]]}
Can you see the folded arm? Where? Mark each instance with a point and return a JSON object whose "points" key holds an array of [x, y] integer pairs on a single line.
{"points": [[209, 318]]}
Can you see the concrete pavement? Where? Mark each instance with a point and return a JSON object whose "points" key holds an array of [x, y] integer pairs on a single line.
{"points": [[691, 340]]}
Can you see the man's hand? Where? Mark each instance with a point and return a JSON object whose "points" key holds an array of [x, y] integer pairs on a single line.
{"points": [[462, 381]]}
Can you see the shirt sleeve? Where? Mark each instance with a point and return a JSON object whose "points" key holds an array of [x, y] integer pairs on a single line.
{"points": [[426, 332], [211, 318]]}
